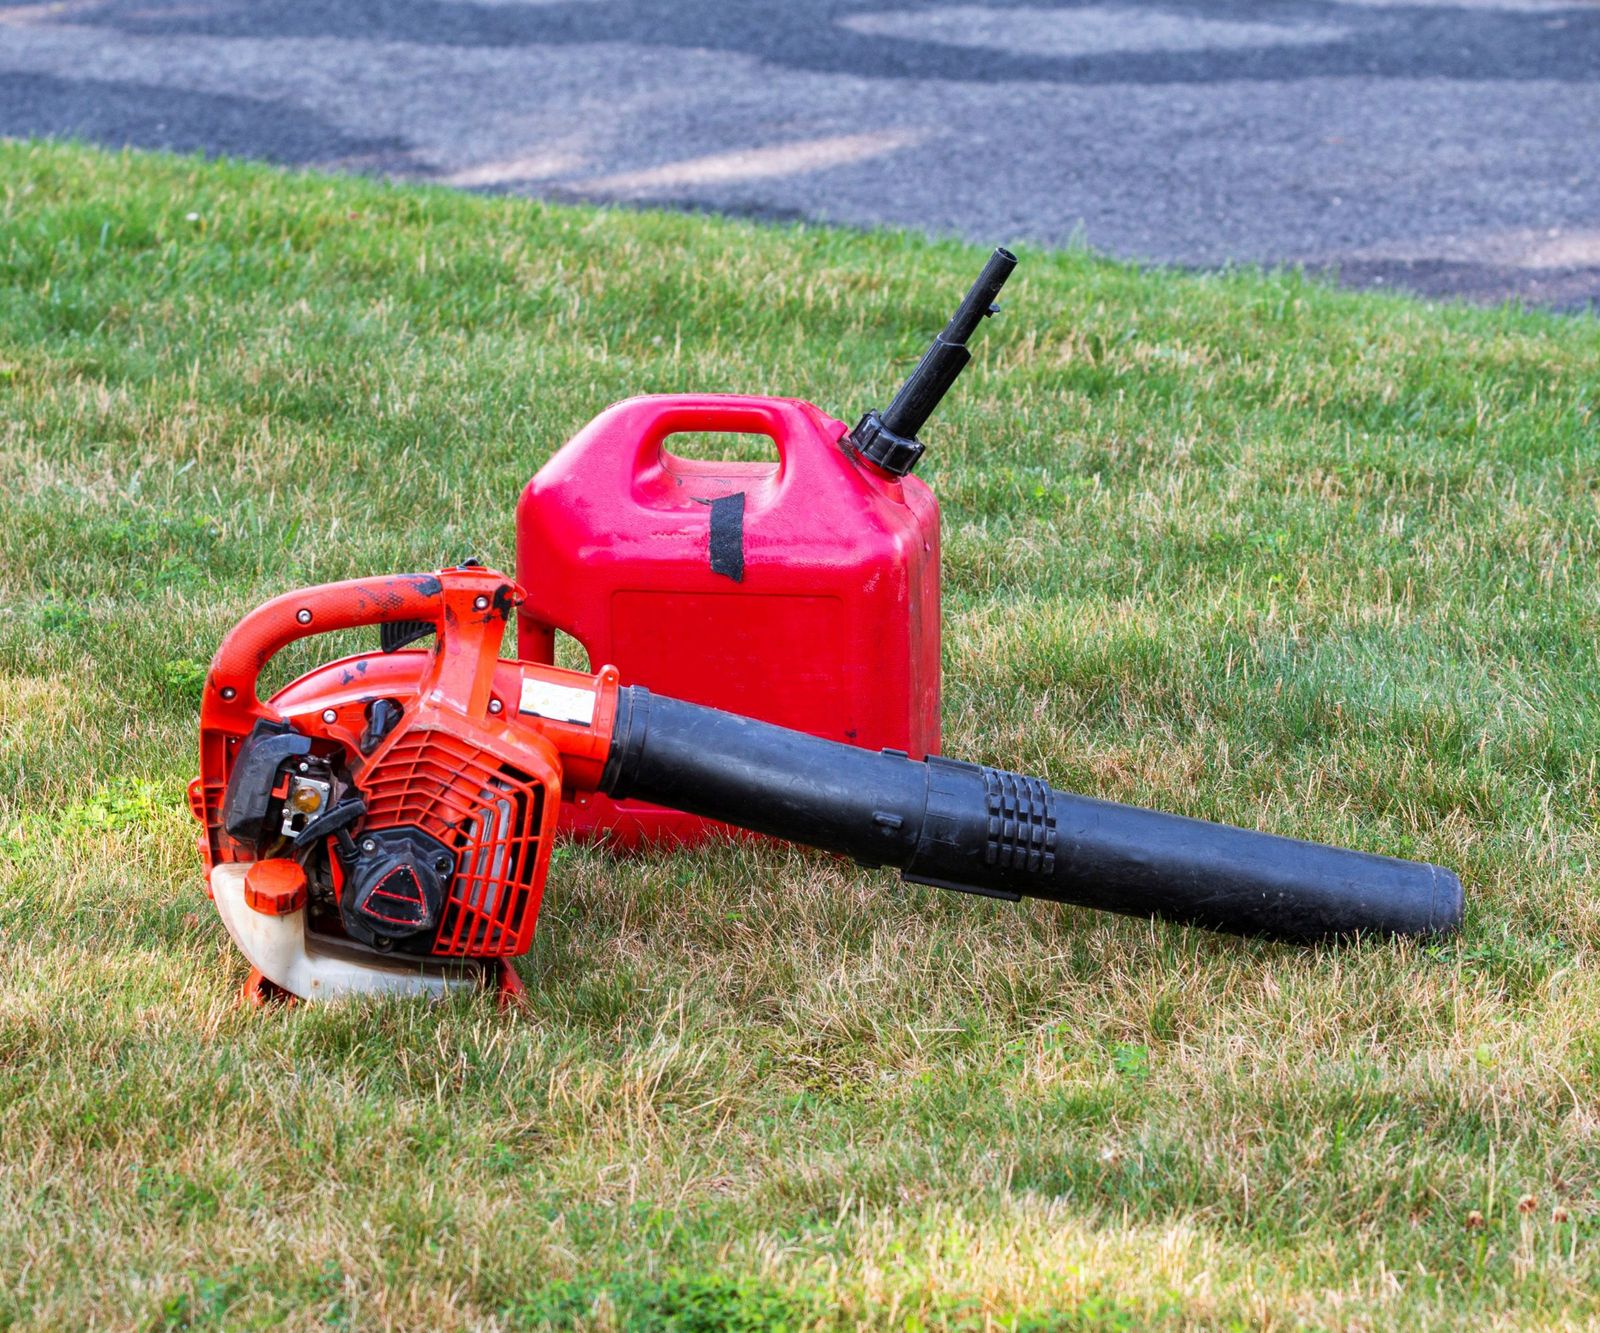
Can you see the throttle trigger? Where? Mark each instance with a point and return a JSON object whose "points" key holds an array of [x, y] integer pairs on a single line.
{"points": [[393, 635]]}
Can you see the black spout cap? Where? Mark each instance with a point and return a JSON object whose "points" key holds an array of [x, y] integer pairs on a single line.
{"points": [[889, 439], [881, 447]]}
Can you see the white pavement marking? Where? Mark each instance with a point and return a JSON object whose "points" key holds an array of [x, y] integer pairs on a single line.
{"points": [[1063, 33], [512, 170], [1520, 248], [746, 164]]}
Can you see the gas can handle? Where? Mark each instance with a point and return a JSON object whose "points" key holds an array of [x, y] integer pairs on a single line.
{"points": [[800, 438]]}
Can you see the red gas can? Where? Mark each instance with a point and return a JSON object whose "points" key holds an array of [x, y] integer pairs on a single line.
{"points": [[804, 592]]}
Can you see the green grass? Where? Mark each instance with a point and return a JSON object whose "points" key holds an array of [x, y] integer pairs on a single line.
{"points": [[1239, 546]]}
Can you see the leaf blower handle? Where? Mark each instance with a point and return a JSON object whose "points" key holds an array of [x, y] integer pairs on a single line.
{"points": [[407, 602], [889, 439], [986, 831]]}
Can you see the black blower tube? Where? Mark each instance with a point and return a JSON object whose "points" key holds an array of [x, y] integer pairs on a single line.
{"points": [[984, 830]]}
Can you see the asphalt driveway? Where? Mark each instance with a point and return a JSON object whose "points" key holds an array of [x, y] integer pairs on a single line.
{"points": [[1451, 148]]}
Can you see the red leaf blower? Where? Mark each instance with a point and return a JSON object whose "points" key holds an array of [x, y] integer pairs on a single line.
{"points": [[385, 822]]}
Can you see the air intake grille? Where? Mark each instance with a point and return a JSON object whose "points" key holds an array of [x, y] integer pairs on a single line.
{"points": [[488, 815]]}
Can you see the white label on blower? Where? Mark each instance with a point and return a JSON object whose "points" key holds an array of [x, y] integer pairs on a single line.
{"points": [[559, 703]]}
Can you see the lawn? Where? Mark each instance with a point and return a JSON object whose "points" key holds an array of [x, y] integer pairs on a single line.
{"points": [[1239, 546]]}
